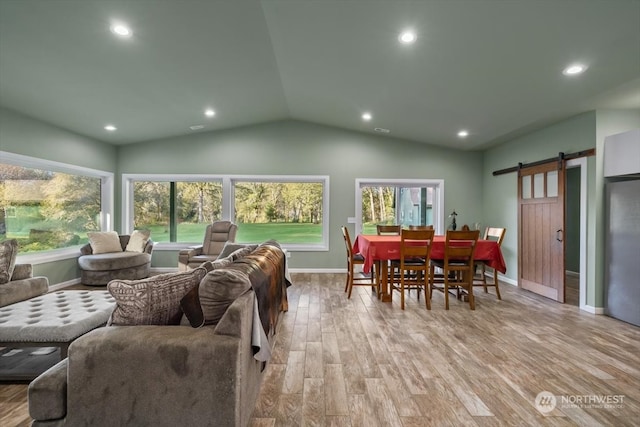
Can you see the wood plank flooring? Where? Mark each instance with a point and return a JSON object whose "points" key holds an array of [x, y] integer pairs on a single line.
{"points": [[361, 362]]}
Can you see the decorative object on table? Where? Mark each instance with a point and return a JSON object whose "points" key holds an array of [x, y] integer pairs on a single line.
{"points": [[453, 224]]}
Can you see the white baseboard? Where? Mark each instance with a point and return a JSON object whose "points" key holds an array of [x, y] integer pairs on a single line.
{"points": [[592, 310], [62, 285], [162, 270]]}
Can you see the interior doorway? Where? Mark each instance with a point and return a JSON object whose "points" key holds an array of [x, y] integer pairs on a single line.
{"points": [[572, 236]]}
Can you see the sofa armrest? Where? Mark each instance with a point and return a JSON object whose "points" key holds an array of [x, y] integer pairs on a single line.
{"points": [[86, 249], [164, 375], [185, 254], [23, 289], [22, 271], [48, 393], [148, 247]]}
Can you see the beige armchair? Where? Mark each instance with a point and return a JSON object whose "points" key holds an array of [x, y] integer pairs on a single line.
{"points": [[215, 237]]}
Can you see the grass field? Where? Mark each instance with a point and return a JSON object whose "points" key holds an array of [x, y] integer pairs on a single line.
{"points": [[247, 233]]}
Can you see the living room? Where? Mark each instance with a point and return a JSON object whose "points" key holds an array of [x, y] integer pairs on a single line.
{"points": [[268, 123]]}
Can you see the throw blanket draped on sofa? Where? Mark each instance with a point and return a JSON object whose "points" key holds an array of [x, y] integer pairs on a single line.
{"points": [[266, 270]]}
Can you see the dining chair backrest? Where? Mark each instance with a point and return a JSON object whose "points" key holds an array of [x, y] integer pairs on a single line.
{"points": [[495, 233], [387, 229], [415, 244], [460, 247], [347, 242], [420, 227]]}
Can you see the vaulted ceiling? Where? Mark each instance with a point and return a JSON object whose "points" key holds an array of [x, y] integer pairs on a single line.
{"points": [[493, 68]]}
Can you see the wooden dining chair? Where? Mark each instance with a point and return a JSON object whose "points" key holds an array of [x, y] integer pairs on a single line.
{"points": [[354, 259], [496, 234], [388, 229], [413, 266], [457, 266]]}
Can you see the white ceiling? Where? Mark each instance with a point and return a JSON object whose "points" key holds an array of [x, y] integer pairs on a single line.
{"points": [[493, 67]]}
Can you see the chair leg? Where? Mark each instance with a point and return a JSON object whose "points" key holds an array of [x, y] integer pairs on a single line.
{"points": [[484, 278], [427, 297], [472, 300], [495, 281], [446, 292]]}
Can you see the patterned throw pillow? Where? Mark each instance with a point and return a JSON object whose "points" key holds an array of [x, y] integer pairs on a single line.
{"points": [[8, 253], [152, 301]]}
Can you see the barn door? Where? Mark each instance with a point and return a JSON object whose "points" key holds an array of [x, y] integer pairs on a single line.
{"points": [[541, 229]]}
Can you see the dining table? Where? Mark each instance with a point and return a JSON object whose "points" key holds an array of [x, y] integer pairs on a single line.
{"points": [[380, 249]]}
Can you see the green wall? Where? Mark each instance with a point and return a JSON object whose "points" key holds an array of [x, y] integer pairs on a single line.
{"points": [[578, 133], [24, 135], [299, 148], [572, 220]]}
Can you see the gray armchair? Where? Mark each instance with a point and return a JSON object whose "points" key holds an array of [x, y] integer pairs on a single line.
{"points": [[216, 235], [99, 269]]}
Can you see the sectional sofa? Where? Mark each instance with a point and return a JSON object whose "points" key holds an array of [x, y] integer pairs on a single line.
{"points": [[204, 367]]}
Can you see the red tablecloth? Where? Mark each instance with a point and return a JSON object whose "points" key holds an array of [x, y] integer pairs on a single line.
{"points": [[378, 248]]}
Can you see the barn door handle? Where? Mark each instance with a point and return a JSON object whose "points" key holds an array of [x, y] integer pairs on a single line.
{"points": [[559, 235]]}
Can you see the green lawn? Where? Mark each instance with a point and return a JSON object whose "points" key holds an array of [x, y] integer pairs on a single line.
{"points": [[247, 233]]}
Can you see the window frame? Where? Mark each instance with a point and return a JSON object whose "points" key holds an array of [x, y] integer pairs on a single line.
{"points": [[106, 200], [438, 197], [228, 198]]}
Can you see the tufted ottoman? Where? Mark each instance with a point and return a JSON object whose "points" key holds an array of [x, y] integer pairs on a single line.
{"points": [[54, 319]]}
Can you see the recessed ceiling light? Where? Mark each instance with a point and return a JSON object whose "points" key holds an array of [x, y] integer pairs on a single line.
{"points": [[110, 128], [121, 29], [574, 69], [407, 37], [463, 133], [366, 117], [209, 112]]}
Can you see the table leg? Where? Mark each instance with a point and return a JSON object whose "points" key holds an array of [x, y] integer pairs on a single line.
{"points": [[385, 296]]}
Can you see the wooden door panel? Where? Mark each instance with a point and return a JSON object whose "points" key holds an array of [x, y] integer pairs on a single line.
{"points": [[541, 260]]}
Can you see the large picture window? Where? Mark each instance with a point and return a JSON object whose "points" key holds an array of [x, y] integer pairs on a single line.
{"points": [[48, 205], [177, 209], [404, 202]]}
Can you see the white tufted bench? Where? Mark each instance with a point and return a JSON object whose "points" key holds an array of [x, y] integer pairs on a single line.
{"points": [[54, 319]]}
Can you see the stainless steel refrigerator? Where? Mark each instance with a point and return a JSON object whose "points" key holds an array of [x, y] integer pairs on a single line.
{"points": [[622, 251]]}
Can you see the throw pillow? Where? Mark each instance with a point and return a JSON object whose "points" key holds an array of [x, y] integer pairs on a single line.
{"points": [[152, 301], [138, 240], [216, 292], [230, 248], [104, 242], [8, 253], [242, 252]]}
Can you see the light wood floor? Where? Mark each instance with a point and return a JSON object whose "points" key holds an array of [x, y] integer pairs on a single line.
{"points": [[361, 362]]}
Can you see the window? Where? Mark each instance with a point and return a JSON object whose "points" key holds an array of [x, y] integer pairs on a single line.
{"points": [[405, 202], [177, 209], [48, 205]]}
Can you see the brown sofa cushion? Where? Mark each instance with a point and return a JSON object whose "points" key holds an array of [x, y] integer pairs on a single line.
{"points": [[152, 301], [216, 292]]}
